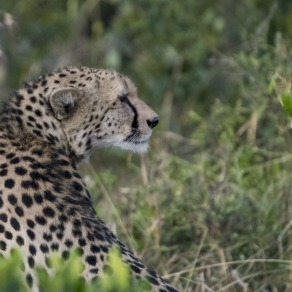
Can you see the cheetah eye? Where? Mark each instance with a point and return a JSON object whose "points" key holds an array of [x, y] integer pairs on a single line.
{"points": [[123, 97]]}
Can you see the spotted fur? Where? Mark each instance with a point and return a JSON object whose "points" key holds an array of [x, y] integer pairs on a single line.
{"points": [[46, 129]]}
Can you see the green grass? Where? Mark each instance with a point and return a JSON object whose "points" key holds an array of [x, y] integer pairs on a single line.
{"points": [[211, 214]]}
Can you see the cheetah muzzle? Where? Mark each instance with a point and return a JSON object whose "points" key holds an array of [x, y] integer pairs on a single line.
{"points": [[46, 129]]}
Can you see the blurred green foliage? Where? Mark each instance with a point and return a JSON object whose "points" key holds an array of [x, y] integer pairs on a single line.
{"points": [[10, 276], [65, 275], [210, 204]]}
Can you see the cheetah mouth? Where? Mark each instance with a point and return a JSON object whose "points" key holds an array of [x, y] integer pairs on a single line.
{"points": [[138, 145], [141, 142], [137, 138]]}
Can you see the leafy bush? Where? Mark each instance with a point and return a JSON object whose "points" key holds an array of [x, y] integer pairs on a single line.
{"points": [[66, 275]]}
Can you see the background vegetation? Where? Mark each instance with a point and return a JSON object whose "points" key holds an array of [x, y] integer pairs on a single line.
{"points": [[210, 204]]}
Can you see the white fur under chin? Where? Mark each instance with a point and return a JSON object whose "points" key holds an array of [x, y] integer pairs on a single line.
{"points": [[119, 142], [137, 148], [132, 147]]}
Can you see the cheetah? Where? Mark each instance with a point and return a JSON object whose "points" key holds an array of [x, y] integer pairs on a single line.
{"points": [[46, 128]]}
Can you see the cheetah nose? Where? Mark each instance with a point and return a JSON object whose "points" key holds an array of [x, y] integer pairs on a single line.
{"points": [[153, 123]]}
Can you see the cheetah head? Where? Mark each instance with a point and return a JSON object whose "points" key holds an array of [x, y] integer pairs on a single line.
{"points": [[102, 109]]}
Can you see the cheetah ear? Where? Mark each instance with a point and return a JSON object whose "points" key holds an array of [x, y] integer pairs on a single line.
{"points": [[64, 102]]}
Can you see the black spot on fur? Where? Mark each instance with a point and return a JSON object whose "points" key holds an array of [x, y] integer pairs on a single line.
{"points": [[30, 234], [60, 235], [10, 155], [53, 227], [40, 220], [27, 200], [20, 171], [54, 246], [19, 211], [93, 271], [32, 249], [94, 248], [12, 199], [8, 235], [77, 186], [3, 245], [30, 223], [77, 233], [38, 198], [31, 262], [48, 212], [29, 280], [20, 240], [49, 196], [15, 160], [44, 248], [47, 236], [3, 217], [14, 223], [69, 243], [9, 183], [33, 99], [66, 174], [65, 254], [28, 108], [152, 280], [29, 184], [91, 260], [38, 113], [81, 242], [63, 218]]}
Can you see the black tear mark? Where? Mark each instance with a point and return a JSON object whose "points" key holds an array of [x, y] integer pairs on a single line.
{"points": [[135, 124], [124, 99]]}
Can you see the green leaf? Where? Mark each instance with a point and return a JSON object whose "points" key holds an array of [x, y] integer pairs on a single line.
{"points": [[119, 276], [287, 103], [272, 84], [281, 85]]}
